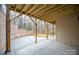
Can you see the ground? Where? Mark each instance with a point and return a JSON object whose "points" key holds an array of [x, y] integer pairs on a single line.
{"points": [[27, 46]]}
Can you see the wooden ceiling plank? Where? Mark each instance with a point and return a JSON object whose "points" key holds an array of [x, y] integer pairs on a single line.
{"points": [[68, 11], [22, 8], [45, 10], [18, 6], [52, 10], [41, 13], [33, 8], [15, 8], [62, 10], [38, 9], [26, 7]]}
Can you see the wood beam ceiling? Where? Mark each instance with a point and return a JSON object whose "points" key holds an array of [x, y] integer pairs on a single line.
{"points": [[68, 10], [26, 8], [38, 9], [32, 9], [52, 10], [48, 8], [45, 12]]}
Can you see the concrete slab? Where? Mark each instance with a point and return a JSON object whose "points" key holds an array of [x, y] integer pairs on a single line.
{"points": [[27, 46]]}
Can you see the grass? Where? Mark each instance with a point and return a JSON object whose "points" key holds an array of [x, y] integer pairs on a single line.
{"points": [[41, 35]]}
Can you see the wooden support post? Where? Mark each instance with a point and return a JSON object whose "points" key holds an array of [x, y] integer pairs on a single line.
{"points": [[46, 30], [36, 32], [41, 27], [7, 29], [53, 30], [35, 28]]}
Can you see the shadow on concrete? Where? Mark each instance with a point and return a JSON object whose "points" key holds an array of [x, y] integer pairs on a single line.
{"points": [[77, 50]]}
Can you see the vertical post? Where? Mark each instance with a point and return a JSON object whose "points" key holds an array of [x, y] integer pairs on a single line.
{"points": [[36, 31], [41, 27], [53, 30], [35, 28], [7, 29], [46, 30]]}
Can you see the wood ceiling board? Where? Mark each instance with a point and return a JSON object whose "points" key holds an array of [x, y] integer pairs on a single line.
{"points": [[52, 10], [49, 19], [33, 8], [58, 12], [12, 5], [19, 6], [47, 8], [37, 8], [26, 7], [61, 9], [52, 13], [68, 11]]}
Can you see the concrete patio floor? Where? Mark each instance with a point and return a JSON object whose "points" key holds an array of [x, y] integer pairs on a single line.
{"points": [[27, 46]]}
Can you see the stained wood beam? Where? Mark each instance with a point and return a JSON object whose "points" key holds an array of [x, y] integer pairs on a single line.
{"points": [[33, 8], [22, 8], [19, 14], [12, 7], [52, 10], [32, 20], [41, 12], [26, 8], [47, 19], [15, 7], [38, 10]]}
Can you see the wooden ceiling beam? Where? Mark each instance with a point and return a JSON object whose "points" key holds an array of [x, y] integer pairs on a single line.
{"points": [[45, 10], [33, 8], [12, 6], [26, 7], [70, 8], [42, 11], [52, 10], [22, 8], [15, 8], [38, 10]]}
